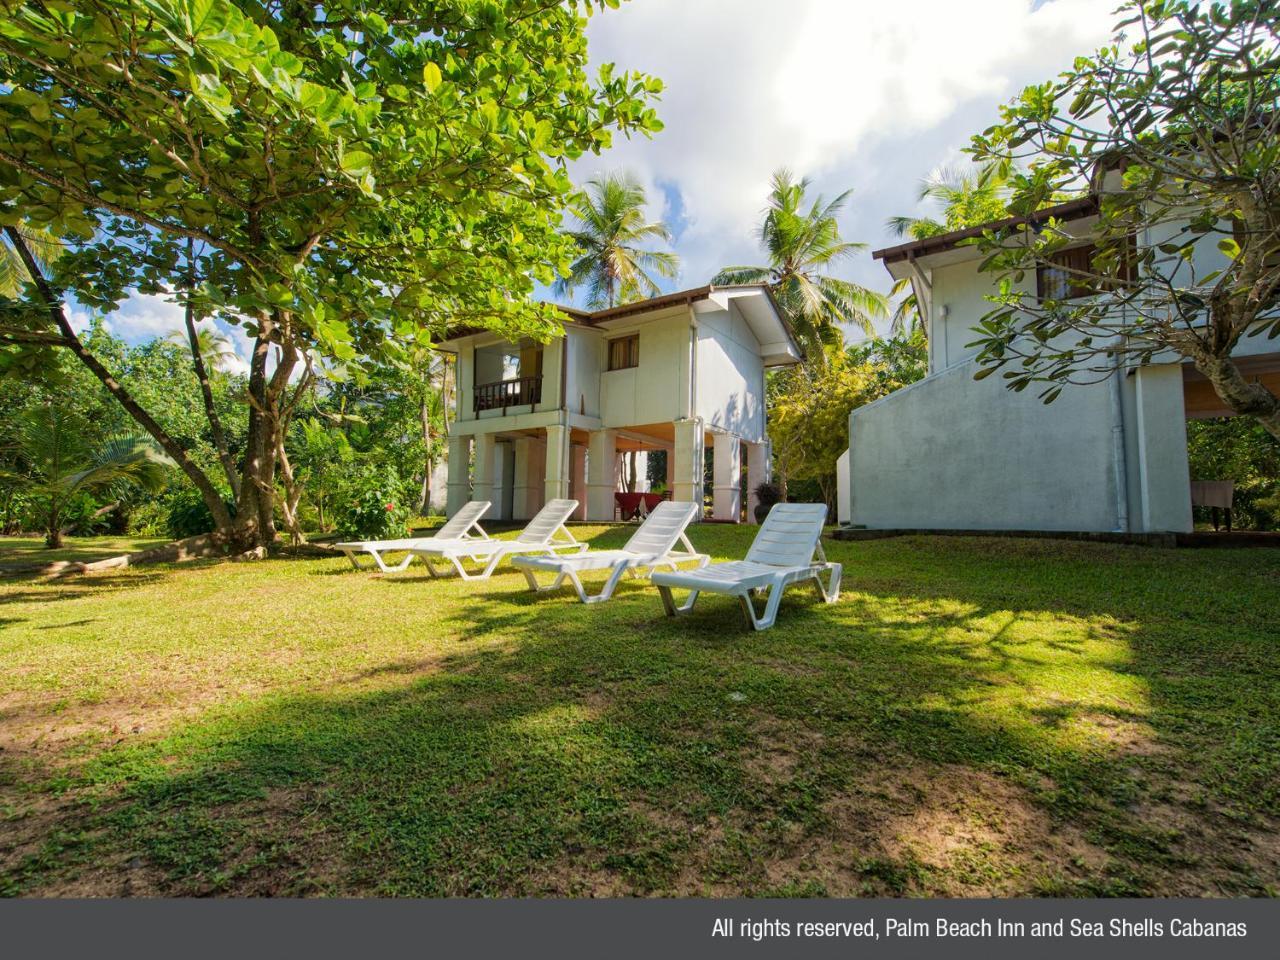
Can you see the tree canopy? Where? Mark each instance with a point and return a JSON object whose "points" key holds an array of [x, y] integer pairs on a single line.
{"points": [[611, 228], [802, 245], [340, 182], [1175, 127]]}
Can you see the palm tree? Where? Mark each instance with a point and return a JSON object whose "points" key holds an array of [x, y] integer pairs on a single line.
{"points": [[61, 461], [44, 247], [966, 200], [802, 245], [613, 265], [213, 345]]}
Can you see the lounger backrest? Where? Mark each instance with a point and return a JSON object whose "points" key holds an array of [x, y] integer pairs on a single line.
{"points": [[660, 531], [543, 526], [461, 522], [790, 535]]}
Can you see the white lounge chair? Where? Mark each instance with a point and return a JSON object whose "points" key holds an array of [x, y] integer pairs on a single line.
{"points": [[651, 546], [781, 554], [538, 537], [457, 528]]}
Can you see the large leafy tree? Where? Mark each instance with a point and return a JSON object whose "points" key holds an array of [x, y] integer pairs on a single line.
{"points": [[803, 243], [614, 264], [334, 179], [1181, 114]]}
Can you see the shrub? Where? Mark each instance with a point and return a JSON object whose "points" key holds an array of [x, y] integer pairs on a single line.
{"points": [[187, 514], [374, 505]]}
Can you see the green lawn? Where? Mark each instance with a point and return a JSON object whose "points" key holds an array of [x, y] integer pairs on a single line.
{"points": [[975, 716]]}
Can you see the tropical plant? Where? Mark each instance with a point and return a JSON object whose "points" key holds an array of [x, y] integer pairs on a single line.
{"points": [[802, 244], [60, 460], [965, 199], [1182, 126], [214, 346], [44, 248], [611, 227], [334, 180]]}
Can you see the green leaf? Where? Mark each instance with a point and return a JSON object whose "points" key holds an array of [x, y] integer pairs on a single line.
{"points": [[431, 77]]}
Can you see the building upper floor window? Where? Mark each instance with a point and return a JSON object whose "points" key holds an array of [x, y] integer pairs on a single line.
{"points": [[1071, 273], [624, 352]]}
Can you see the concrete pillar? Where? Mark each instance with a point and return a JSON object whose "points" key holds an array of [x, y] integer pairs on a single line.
{"points": [[503, 480], [686, 485], [527, 482], [1164, 476], [578, 478], [671, 469], [482, 485], [759, 470], [726, 472], [557, 466], [459, 474], [601, 457]]}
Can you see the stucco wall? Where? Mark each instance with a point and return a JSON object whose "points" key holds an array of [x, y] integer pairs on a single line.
{"points": [[730, 391], [655, 390], [960, 291], [954, 453]]}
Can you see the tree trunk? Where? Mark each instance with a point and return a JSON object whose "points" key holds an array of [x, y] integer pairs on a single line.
{"points": [[1245, 398], [53, 304], [206, 389]]}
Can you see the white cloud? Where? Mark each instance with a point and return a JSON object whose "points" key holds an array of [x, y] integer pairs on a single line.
{"points": [[865, 95], [143, 317]]}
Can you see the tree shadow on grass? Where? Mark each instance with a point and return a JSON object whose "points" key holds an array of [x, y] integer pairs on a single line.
{"points": [[925, 741]]}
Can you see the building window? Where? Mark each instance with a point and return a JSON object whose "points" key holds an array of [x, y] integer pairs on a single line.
{"points": [[1069, 274], [624, 352]]}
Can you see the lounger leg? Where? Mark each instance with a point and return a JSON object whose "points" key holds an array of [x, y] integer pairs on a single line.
{"points": [[352, 557], [770, 615], [431, 568], [669, 602], [402, 565], [619, 571], [831, 592]]}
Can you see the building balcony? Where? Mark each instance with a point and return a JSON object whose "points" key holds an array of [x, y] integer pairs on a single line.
{"points": [[520, 392]]}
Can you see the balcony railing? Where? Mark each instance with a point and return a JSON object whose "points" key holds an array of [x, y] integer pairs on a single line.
{"points": [[521, 392]]}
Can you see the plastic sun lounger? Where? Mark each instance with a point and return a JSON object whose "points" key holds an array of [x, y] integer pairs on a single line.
{"points": [[781, 554], [652, 545], [538, 537], [457, 528]]}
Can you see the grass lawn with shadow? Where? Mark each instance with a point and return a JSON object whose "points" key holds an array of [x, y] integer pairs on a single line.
{"points": [[976, 716]]}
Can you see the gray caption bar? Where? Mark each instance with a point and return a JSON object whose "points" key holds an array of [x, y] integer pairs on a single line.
{"points": [[1045, 929]]}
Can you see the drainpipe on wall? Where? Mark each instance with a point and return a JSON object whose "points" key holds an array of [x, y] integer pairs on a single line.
{"points": [[1120, 453]]}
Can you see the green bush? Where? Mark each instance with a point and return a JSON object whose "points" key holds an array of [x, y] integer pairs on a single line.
{"points": [[374, 505], [187, 515]]}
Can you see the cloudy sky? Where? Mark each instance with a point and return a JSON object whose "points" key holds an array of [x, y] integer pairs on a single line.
{"points": [[864, 94]]}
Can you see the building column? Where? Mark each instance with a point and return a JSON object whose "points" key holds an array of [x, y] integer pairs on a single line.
{"points": [[578, 478], [503, 480], [482, 485], [686, 484], [1164, 476], [600, 487], [459, 473], [726, 471], [522, 495], [557, 467], [759, 470]]}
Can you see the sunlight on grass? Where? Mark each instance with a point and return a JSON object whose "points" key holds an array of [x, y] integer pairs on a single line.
{"points": [[974, 716]]}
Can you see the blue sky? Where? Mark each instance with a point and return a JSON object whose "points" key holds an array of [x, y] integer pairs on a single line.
{"points": [[853, 94]]}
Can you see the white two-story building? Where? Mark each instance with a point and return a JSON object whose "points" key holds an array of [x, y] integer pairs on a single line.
{"points": [[952, 452], [678, 373]]}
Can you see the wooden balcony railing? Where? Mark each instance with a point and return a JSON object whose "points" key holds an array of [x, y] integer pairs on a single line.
{"points": [[521, 392]]}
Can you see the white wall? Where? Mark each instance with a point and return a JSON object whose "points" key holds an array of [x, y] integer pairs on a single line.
{"points": [[656, 390], [730, 391], [586, 360], [960, 291], [954, 453]]}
